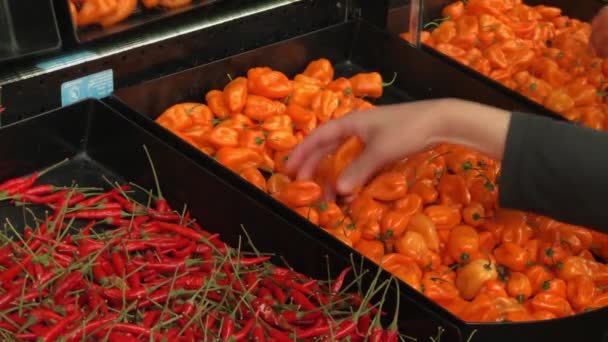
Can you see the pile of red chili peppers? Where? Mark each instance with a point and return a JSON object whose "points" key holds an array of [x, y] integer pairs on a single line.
{"points": [[102, 266]]}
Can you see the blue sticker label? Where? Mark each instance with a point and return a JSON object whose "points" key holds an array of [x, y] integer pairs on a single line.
{"points": [[96, 86], [66, 60]]}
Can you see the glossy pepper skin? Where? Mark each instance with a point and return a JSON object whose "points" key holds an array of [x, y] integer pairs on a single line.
{"points": [[269, 83], [321, 69], [235, 95], [367, 85]]}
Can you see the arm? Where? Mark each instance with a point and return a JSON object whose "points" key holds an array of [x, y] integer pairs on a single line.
{"points": [[551, 168], [556, 169]]}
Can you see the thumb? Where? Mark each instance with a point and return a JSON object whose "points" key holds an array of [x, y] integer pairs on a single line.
{"points": [[361, 169]]}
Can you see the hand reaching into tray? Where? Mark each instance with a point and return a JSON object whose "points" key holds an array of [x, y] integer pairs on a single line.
{"points": [[537, 153], [398, 131]]}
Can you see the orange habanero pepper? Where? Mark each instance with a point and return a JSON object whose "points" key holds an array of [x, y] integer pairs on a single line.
{"points": [[367, 85], [281, 140], [511, 255], [299, 114], [549, 302], [300, 193], [519, 287], [238, 159], [321, 69], [324, 104], [235, 95], [422, 225], [269, 83], [444, 217], [309, 213], [581, 290], [260, 108], [373, 249], [277, 182], [388, 186], [471, 277], [409, 205], [463, 243], [393, 223], [255, 177], [215, 101], [222, 137]]}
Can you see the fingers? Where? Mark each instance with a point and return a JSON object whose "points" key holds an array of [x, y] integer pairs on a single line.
{"points": [[308, 166], [362, 168], [328, 135]]}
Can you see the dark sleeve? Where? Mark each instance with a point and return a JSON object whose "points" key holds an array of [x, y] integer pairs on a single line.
{"points": [[556, 169]]}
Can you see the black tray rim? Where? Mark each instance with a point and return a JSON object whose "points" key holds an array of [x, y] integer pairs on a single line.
{"points": [[57, 47]]}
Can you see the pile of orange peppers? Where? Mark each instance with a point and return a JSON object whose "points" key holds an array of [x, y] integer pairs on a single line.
{"points": [[534, 50], [432, 219], [110, 12]]}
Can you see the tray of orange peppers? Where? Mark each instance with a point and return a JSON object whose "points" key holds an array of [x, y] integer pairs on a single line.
{"points": [[431, 219], [93, 18], [536, 51]]}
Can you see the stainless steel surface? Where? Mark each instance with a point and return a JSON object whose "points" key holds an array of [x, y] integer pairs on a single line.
{"points": [[415, 22], [121, 44]]}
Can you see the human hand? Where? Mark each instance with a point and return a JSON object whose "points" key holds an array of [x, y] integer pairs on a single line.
{"points": [[599, 33], [393, 132]]}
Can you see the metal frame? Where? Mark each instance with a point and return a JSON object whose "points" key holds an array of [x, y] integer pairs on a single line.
{"points": [[186, 41]]}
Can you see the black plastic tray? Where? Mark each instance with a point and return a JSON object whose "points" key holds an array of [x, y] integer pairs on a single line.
{"points": [[99, 141], [352, 47], [27, 28], [141, 17]]}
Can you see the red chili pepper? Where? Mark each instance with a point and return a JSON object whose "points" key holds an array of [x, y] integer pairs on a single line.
{"points": [[21, 187], [251, 261], [301, 300], [269, 315], [313, 332], [52, 198], [277, 292], [116, 294], [242, 334], [135, 330], [5, 255], [10, 274], [25, 336], [181, 230], [227, 328], [168, 266], [89, 327], [89, 202], [88, 247], [41, 190], [11, 183], [159, 296], [162, 205], [150, 318], [258, 334], [364, 324], [95, 214], [45, 314], [126, 204], [75, 199], [118, 263], [280, 336], [59, 328], [69, 282], [58, 246], [337, 285], [186, 251]]}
